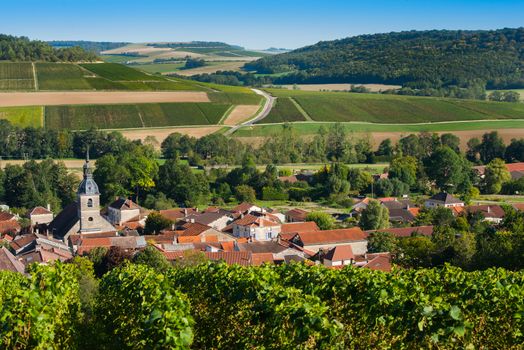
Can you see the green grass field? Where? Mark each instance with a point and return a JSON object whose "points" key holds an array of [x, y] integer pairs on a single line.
{"points": [[16, 76], [133, 116], [119, 72], [305, 128], [284, 111], [23, 116], [160, 67], [62, 76], [377, 108]]}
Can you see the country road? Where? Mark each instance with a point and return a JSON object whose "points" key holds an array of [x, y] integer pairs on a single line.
{"points": [[270, 100]]}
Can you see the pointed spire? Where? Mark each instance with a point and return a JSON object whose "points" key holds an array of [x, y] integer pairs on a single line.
{"points": [[87, 154]]}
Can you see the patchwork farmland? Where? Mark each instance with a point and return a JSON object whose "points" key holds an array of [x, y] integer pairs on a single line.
{"points": [[377, 108], [106, 96]]}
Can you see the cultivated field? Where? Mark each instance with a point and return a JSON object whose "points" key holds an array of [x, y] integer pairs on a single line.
{"points": [[376, 108], [23, 116], [12, 99], [284, 110], [340, 87], [133, 115], [241, 113], [16, 76], [160, 134]]}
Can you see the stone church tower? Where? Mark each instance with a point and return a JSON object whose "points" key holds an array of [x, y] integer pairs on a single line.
{"points": [[88, 199]]}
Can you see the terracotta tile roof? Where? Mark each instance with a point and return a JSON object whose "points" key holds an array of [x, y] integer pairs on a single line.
{"points": [[207, 217], [11, 227], [381, 263], [228, 246], [386, 199], [489, 211], [519, 206], [40, 211], [331, 236], [297, 214], [515, 166], [296, 227], [188, 239], [5, 216], [243, 207], [457, 210], [262, 247], [193, 229], [252, 220], [173, 255], [414, 211], [290, 179], [177, 213], [124, 204], [231, 258], [341, 252], [22, 241], [87, 244], [258, 259], [9, 262], [408, 231]]}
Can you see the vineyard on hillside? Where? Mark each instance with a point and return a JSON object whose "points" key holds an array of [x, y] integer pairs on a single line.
{"points": [[215, 306]]}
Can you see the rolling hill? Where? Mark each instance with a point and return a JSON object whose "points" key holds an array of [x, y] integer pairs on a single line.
{"points": [[170, 57], [414, 58]]}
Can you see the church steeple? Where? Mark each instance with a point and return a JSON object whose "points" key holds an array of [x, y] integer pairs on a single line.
{"points": [[88, 186]]}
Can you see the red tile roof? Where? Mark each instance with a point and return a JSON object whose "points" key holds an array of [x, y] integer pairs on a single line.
{"points": [[243, 207], [177, 213], [515, 166], [22, 241], [231, 258], [297, 227], [381, 263], [5, 216], [10, 227], [258, 259], [40, 211], [297, 214], [193, 229], [9, 262], [489, 211], [228, 246], [332, 236], [341, 252], [408, 231], [519, 206]]}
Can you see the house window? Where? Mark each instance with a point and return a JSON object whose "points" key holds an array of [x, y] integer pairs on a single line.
{"points": [[90, 203]]}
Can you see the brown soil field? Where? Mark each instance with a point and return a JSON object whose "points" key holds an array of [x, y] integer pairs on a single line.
{"points": [[234, 66], [241, 113], [69, 163], [15, 99], [319, 87], [161, 134], [378, 137]]}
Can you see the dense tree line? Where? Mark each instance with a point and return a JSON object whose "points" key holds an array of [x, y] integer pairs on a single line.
{"points": [[40, 143], [418, 59], [14, 48], [90, 46]]}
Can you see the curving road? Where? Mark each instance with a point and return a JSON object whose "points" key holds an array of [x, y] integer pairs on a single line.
{"points": [[270, 100]]}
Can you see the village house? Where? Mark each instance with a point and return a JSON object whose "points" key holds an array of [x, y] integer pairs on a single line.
{"points": [[215, 218], [491, 213], [123, 211], [258, 228], [316, 240], [40, 216], [296, 215], [196, 232], [443, 199], [9, 262], [246, 208], [339, 256]]}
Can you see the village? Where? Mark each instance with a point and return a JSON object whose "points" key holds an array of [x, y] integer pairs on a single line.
{"points": [[246, 234]]}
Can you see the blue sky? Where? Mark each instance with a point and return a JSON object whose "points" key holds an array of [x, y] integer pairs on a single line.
{"points": [[253, 24]]}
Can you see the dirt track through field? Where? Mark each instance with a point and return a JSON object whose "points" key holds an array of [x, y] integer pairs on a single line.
{"points": [[241, 113], [17, 99]]}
